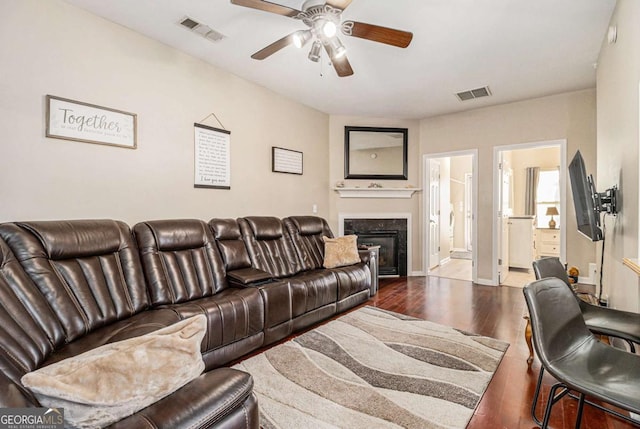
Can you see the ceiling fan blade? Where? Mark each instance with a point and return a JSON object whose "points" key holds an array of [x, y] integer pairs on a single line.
{"points": [[267, 7], [273, 48], [339, 4], [377, 33], [342, 65]]}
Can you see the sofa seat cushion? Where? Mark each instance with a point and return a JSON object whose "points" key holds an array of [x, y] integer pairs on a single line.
{"points": [[311, 290], [135, 326], [219, 398], [232, 315], [352, 279], [113, 381]]}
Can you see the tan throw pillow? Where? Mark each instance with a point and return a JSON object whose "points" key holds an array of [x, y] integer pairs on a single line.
{"points": [[341, 251], [108, 383]]}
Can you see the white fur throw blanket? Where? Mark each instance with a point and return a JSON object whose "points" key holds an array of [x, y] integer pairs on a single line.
{"points": [[106, 384]]}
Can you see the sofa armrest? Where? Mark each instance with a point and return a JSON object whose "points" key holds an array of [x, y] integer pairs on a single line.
{"points": [[245, 277], [13, 395], [219, 398], [365, 255], [369, 258]]}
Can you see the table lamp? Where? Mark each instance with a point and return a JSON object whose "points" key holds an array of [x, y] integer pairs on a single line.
{"points": [[552, 211]]}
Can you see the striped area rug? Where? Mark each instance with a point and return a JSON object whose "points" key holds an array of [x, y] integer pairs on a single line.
{"points": [[374, 369]]}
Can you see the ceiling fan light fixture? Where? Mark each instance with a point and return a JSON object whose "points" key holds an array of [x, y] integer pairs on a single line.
{"points": [[329, 28], [336, 49], [300, 38], [314, 53]]}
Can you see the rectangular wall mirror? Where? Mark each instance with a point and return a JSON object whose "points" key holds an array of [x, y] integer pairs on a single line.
{"points": [[375, 153]]}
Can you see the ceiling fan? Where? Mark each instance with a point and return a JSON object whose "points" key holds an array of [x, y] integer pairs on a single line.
{"points": [[324, 18]]}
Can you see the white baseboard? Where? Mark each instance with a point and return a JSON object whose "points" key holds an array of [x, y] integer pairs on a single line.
{"points": [[485, 282], [417, 274], [445, 260], [586, 280]]}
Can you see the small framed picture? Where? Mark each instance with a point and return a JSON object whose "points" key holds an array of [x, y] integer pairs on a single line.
{"points": [[286, 161]]}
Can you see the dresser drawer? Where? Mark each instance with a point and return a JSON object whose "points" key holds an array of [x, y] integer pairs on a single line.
{"points": [[547, 242], [547, 235], [549, 249]]}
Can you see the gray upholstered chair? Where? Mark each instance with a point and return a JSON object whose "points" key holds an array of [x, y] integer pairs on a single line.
{"points": [[599, 320], [578, 361]]}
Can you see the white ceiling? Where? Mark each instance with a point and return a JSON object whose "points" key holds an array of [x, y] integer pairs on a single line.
{"points": [[520, 48]]}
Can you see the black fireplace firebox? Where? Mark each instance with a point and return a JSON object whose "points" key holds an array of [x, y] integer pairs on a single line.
{"points": [[390, 235], [388, 257]]}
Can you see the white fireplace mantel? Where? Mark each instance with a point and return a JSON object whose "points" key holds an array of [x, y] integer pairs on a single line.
{"points": [[376, 192]]}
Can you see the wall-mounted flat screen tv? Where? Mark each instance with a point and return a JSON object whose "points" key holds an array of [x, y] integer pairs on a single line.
{"points": [[584, 199]]}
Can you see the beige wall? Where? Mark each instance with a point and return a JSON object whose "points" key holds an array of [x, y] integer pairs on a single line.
{"points": [[570, 116], [618, 117], [54, 48], [376, 205]]}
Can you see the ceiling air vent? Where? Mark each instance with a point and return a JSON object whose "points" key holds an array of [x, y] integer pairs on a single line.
{"points": [[474, 93], [203, 30]]}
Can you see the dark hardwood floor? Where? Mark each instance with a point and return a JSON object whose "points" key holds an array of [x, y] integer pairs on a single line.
{"points": [[496, 312]]}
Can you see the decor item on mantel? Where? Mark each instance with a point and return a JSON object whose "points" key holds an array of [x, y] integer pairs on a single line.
{"points": [[376, 192], [552, 211]]}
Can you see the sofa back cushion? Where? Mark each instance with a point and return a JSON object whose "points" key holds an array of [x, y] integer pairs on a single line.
{"points": [[88, 271], [269, 247], [306, 234], [227, 234], [29, 330], [180, 260]]}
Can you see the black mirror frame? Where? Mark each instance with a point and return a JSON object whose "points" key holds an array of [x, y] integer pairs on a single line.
{"points": [[405, 140]]}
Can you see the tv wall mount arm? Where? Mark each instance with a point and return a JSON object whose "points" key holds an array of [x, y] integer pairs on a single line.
{"points": [[606, 202]]}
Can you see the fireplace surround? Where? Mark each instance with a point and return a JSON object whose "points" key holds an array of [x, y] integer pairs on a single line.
{"points": [[391, 234]]}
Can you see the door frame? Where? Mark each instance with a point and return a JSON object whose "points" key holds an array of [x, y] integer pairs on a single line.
{"points": [[438, 199], [468, 196], [497, 150], [427, 201]]}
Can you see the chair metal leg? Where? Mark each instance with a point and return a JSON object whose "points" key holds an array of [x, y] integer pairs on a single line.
{"points": [[553, 398], [550, 402], [536, 395], [579, 414]]}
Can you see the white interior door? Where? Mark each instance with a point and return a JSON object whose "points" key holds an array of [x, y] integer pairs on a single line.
{"points": [[434, 213], [504, 211], [468, 211]]}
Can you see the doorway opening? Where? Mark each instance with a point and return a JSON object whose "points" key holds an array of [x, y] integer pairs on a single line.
{"points": [[449, 222], [530, 206]]}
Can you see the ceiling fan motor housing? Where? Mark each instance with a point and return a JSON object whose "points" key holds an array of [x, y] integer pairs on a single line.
{"points": [[322, 20]]}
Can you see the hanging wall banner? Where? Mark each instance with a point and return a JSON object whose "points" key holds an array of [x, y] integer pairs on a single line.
{"points": [[212, 153]]}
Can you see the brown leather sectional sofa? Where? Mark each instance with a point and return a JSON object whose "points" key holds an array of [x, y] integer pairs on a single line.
{"points": [[67, 287]]}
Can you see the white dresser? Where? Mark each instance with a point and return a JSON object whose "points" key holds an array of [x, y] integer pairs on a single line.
{"points": [[547, 242], [521, 242]]}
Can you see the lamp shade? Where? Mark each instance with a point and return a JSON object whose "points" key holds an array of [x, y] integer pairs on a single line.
{"points": [[552, 211]]}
